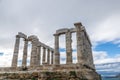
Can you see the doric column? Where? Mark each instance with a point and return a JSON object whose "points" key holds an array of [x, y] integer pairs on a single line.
{"points": [[39, 55], [91, 58], [80, 51], [24, 61], [48, 56], [52, 57], [44, 55], [56, 51], [68, 48], [33, 60], [16, 50]]}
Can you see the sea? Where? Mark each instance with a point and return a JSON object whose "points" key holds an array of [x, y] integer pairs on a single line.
{"points": [[110, 78]]}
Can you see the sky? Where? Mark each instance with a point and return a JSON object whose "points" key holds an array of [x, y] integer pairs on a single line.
{"points": [[43, 17]]}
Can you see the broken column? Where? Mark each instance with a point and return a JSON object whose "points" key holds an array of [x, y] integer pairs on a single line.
{"points": [[56, 51], [16, 50], [68, 47]]}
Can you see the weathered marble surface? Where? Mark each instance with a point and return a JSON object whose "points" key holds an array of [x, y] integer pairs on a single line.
{"points": [[72, 75], [51, 69], [47, 72]]}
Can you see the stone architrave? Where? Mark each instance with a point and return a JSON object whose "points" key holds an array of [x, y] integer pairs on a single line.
{"points": [[52, 57], [56, 50], [48, 56], [80, 51], [44, 55], [68, 47], [16, 51], [24, 61], [39, 55]]}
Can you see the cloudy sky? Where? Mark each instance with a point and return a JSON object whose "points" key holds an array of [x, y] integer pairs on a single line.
{"points": [[43, 17]]}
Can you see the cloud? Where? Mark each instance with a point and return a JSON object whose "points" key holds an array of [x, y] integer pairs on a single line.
{"points": [[6, 58], [43, 18], [108, 69], [117, 42], [107, 30], [101, 57], [19, 16], [106, 65], [1, 54]]}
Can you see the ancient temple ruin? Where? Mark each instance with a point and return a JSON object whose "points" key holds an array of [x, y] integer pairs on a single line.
{"points": [[35, 51], [84, 68]]}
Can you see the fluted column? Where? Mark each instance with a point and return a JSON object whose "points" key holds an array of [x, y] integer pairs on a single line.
{"points": [[80, 51], [48, 56], [39, 55], [44, 55], [24, 61], [68, 48], [33, 60], [91, 58], [16, 50], [52, 57], [57, 54]]}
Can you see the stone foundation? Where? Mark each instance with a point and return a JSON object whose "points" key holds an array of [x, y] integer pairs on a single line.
{"points": [[71, 75], [50, 72]]}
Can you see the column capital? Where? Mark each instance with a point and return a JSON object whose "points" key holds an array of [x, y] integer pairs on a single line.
{"points": [[52, 51], [48, 49], [25, 39], [39, 46], [78, 24], [55, 34], [17, 36], [44, 48]]}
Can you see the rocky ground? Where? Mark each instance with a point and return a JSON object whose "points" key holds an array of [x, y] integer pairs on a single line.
{"points": [[72, 75]]}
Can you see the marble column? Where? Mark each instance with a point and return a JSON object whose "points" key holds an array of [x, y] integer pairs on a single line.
{"points": [[44, 55], [52, 57], [33, 60], [48, 56], [16, 50], [91, 58], [80, 51], [24, 61], [39, 55], [68, 48], [56, 51]]}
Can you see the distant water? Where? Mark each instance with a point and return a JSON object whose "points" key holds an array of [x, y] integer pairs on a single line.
{"points": [[110, 78]]}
